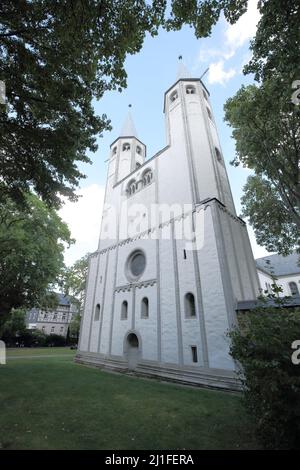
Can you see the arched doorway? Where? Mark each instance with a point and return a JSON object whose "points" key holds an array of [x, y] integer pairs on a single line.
{"points": [[132, 349]]}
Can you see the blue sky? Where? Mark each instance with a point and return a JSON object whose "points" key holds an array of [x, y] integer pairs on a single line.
{"points": [[150, 73]]}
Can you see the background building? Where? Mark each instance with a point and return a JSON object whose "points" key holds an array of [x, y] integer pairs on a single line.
{"points": [[285, 269], [52, 321]]}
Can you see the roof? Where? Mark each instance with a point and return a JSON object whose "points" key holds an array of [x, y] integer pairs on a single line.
{"points": [[251, 304], [182, 72], [128, 129], [279, 265]]}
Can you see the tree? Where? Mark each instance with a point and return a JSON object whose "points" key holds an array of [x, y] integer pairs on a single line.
{"points": [[55, 57], [73, 282], [74, 327], [32, 243], [266, 129], [15, 325], [264, 345]]}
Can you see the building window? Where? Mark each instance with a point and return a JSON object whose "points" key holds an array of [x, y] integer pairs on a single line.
{"points": [[43, 329], [126, 147], [194, 353], [135, 265], [189, 301], [184, 254], [138, 150], [124, 310], [61, 329], [209, 113], [218, 154], [293, 288], [145, 308], [205, 95], [114, 150], [97, 312], [52, 329], [137, 165], [147, 177], [131, 187], [174, 96], [55, 316], [190, 90], [45, 316], [64, 317]]}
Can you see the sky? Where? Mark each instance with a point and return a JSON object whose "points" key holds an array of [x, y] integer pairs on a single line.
{"points": [[149, 74]]}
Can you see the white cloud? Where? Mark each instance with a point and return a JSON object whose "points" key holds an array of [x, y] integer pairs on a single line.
{"points": [[83, 218], [234, 37], [244, 29], [217, 73]]}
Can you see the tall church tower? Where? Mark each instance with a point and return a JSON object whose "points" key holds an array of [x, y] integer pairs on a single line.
{"points": [[173, 260]]}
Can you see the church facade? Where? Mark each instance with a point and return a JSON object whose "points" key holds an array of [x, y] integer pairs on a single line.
{"points": [[173, 259]]}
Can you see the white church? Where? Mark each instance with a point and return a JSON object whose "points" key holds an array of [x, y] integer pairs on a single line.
{"points": [[174, 259]]}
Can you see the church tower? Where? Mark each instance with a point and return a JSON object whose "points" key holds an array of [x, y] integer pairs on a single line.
{"points": [[165, 283]]}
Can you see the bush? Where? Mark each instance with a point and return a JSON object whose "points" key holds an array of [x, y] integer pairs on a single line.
{"points": [[271, 382], [55, 340]]}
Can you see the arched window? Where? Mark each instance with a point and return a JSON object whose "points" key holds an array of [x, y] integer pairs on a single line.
{"points": [[145, 308], [174, 96], [209, 114], [97, 312], [293, 288], [218, 154], [137, 165], [114, 150], [138, 150], [147, 177], [124, 310], [189, 305], [190, 90], [131, 187], [205, 95], [126, 146]]}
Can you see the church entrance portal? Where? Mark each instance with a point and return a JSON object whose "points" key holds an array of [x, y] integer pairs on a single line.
{"points": [[133, 350]]}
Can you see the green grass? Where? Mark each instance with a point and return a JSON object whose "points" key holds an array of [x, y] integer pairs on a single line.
{"points": [[21, 352], [53, 403]]}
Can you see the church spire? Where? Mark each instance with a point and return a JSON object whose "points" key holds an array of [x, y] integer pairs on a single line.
{"points": [[182, 71], [128, 129]]}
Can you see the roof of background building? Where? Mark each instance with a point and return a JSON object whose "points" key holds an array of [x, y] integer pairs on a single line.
{"points": [[279, 265]]}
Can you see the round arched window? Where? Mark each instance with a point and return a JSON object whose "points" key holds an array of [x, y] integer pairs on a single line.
{"points": [[136, 264]]}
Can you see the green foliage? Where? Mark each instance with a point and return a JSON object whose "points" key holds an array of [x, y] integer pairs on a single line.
{"points": [[266, 130], [265, 124], [55, 57], [203, 15], [15, 325], [276, 45], [73, 281], [271, 382], [32, 243], [74, 327]]}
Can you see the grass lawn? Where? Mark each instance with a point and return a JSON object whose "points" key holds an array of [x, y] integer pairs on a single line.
{"points": [[22, 352], [53, 403]]}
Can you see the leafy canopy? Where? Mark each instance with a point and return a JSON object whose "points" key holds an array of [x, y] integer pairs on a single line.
{"points": [[32, 243], [55, 57], [266, 127]]}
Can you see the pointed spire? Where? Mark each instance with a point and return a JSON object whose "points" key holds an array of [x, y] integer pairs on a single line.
{"points": [[128, 129], [182, 71]]}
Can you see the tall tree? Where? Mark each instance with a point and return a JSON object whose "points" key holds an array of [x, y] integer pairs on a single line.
{"points": [[32, 243], [55, 57], [266, 126], [73, 282]]}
